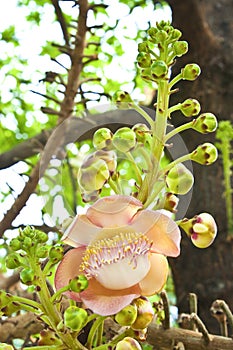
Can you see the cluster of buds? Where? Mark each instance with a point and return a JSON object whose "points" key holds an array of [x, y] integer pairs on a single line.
{"points": [[202, 229], [31, 244], [138, 315]]}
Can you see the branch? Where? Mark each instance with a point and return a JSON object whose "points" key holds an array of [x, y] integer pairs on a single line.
{"points": [[61, 20], [21, 327], [169, 338]]}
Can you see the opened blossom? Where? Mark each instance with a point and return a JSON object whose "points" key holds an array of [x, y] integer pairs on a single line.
{"points": [[121, 248]]}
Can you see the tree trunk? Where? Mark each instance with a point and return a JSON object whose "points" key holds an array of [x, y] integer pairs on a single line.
{"points": [[208, 27]]}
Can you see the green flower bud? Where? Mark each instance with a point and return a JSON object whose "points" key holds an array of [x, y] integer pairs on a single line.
{"points": [[124, 139], [128, 343], [179, 179], [27, 276], [190, 71], [56, 254], [180, 48], [205, 154], [4, 346], [48, 337], [93, 174], [75, 318], [41, 237], [160, 36], [15, 244], [78, 284], [202, 229], [42, 252], [190, 107], [175, 35], [152, 33], [146, 74], [27, 243], [28, 231], [10, 308], [126, 316], [205, 123], [13, 261], [145, 313], [102, 138], [144, 60], [142, 132], [5, 299], [143, 47], [171, 202], [123, 100], [159, 69], [109, 157]]}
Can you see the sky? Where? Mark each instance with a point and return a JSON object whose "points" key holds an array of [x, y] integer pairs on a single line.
{"points": [[31, 40]]}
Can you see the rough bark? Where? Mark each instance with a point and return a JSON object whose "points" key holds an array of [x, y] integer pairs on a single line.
{"points": [[207, 26]]}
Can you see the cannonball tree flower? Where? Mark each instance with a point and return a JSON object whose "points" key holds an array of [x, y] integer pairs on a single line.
{"points": [[121, 248]]}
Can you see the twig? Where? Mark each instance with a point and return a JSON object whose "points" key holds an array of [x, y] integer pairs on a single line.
{"points": [[61, 20], [166, 308], [201, 327]]}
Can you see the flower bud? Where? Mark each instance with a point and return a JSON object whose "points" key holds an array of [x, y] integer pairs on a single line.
{"points": [[143, 47], [41, 237], [179, 179], [144, 60], [146, 74], [102, 138], [93, 174], [202, 229], [4, 346], [160, 36], [142, 132], [124, 139], [190, 107], [42, 252], [205, 123], [123, 100], [78, 284], [205, 154], [27, 243], [75, 318], [109, 157], [10, 308], [13, 261], [48, 337], [180, 48], [191, 71], [175, 34], [159, 69], [15, 244], [27, 276], [28, 231], [145, 313], [56, 254], [127, 315], [171, 202], [128, 343]]}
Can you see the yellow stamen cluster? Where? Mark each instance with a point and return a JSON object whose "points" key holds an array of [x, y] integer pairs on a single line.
{"points": [[112, 250]]}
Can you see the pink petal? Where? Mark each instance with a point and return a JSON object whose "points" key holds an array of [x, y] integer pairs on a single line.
{"points": [[114, 210], [159, 228], [68, 269], [156, 277], [80, 232], [105, 301]]}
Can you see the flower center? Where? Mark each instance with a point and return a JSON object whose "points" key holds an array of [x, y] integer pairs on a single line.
{"points": [[118, 262]]}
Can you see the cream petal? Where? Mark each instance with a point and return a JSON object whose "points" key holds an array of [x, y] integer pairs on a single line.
{"points": [[114, 210], [124, 273], [80, 232], [68, 268], [156, 277], [159, 228], [105, 301]]}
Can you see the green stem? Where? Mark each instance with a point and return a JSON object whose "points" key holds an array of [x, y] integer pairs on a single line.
{"points": [[58, 293], [146, 116], [137, 171], [175, 162], [28, 304], [174, 108], [91, 336], [175, 80], [178, 130]]}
